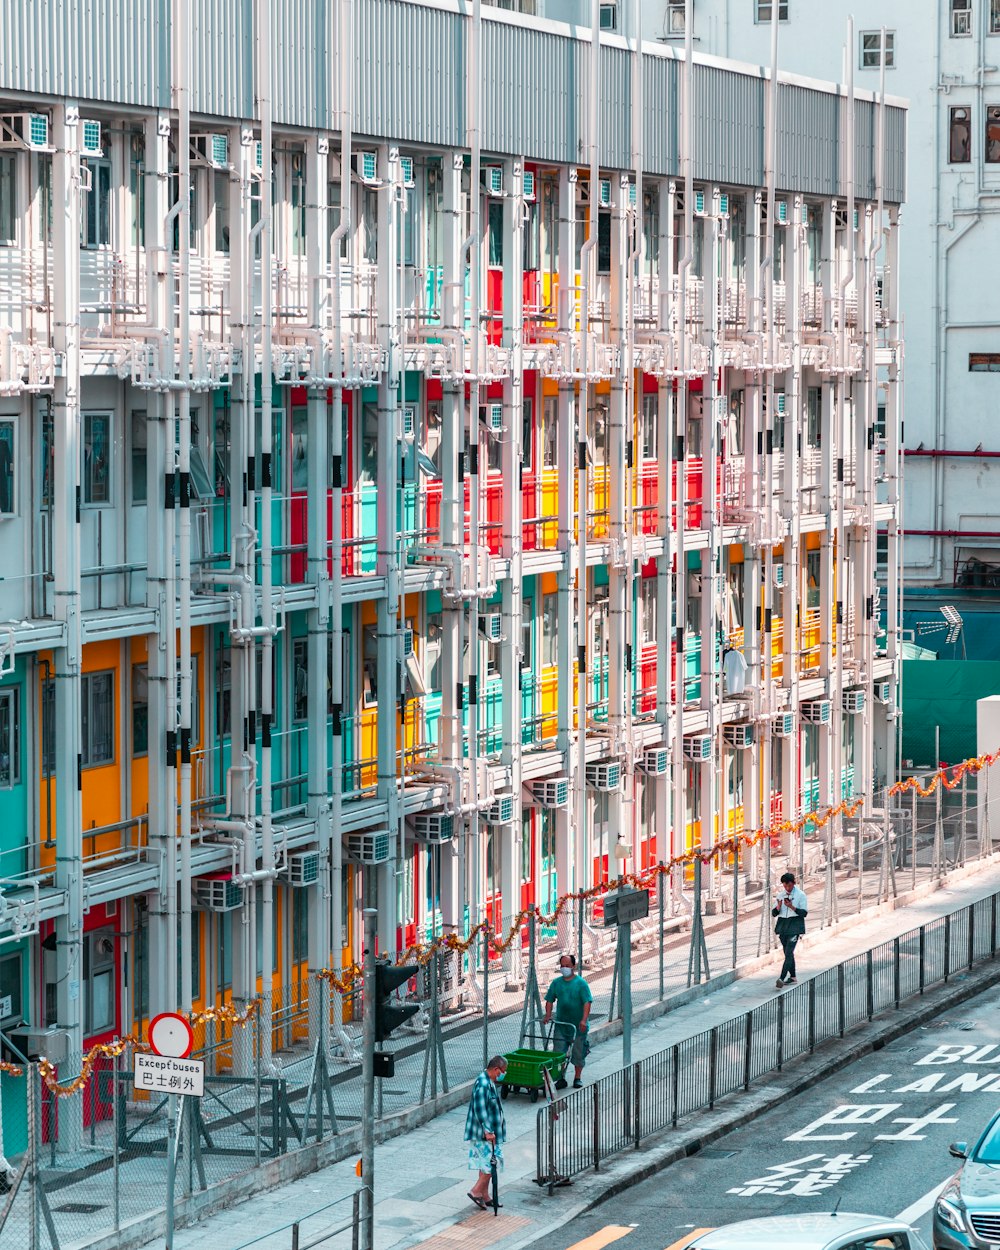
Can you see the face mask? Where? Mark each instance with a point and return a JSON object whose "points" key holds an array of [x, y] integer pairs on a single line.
{"points": [[567, 972]]}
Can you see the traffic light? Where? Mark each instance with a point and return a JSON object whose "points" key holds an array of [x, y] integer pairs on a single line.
{"points": [[389, 1014]]}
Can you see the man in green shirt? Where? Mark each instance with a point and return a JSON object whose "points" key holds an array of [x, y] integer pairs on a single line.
{"points": [[573, 999]]}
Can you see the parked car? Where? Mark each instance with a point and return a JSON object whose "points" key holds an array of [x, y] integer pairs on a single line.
{"points": [[837, 1231], [967, 1211]]}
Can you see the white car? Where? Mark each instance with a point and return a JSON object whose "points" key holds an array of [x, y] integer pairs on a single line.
{"points": [[838, 1231]]}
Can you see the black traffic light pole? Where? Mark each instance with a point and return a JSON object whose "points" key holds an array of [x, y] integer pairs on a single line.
{"points": [[368, 1085]]}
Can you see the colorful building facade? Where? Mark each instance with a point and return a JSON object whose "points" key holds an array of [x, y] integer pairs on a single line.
{"points": [[409, 494]]}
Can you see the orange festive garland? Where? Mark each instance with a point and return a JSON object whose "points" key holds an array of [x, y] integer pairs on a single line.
{"points": [[103, 1050], [11, 1069]]}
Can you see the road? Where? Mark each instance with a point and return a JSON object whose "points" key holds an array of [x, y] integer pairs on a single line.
{"points": [[873, 1138]]}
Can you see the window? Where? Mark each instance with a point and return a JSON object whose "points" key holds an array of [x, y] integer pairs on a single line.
{"points": [[598, 435], [432, 651], [140, 709], [871, 45], [814, 417], [995, 17], [139, 448], [961, 17], [298, 198], [95, 222], [609, 17], [984, 362], [10, 988], [96, 457], [527, 434], [764, 10], [604, 243], [369, 444], [98, 716], [221, 211], [992, 153], [550, 631], [99, 980], [648, 587], [300, 926], [959, 136], [550, 446], [8, 198], [10, 740], [647, 426], [369, 225], [494, 220], [532, 254], [8, 461], [300, 679], [369, 667], [675, 18], [137, 189]]}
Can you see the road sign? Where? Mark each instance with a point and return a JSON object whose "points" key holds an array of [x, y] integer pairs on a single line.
{"points": [[167, 1074], [622, 907], [170, 1035]]}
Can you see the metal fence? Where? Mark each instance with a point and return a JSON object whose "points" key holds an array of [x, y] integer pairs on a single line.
{"points": [[581, 1130]]}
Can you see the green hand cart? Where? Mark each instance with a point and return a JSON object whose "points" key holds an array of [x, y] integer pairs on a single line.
{"points": [[526, 1066]]}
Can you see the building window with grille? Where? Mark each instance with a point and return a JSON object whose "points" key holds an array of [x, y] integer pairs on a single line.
{"points": [[97, 458], [992, 153], [550, 631], [674, 25], [763, 10], [871, 49], [959, 136], [8, 199], [647, 426], [961, 18], [97, 691], [10, 738], [8, 462], [95, 222], [140, 710], [300, 679]]}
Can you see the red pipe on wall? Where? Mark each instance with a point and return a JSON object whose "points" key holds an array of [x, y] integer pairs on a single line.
{"points": [[935, 452], [952, 533]]}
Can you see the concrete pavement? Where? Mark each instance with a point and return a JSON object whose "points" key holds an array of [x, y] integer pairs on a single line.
{"points": [[421, 1175]]}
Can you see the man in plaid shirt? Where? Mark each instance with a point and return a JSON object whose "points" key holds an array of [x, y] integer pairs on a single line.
{"points": [[485, 1128]]}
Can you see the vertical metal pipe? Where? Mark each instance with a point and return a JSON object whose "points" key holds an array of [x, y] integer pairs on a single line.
{"points": [[370, 916]]}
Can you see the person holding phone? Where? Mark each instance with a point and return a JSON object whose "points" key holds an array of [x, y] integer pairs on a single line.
{"points": [[790, 910]]}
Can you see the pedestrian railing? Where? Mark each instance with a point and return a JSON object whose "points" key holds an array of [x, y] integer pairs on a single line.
{"points": [[583, 1129]]}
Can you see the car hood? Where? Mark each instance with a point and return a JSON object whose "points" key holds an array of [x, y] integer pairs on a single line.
{"points": [[980, 1184]]}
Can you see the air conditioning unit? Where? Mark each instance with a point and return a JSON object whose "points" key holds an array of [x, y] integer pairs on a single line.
{"points": [[258, 157], [406, 170], [368, 167], [302, 868], [817, 711], [434, 827], [739, 734], [407, 643], [778, 573], [217, 894], [655, 762], [493, 179], [781, 212], [779, 402], [804, 214], [784, 725], [605, 776], [90, 138], [604, 192], [698, 747], [409, 423], [500, 811], [212, 149], [28, 129], [699, 203], [552, 792], [723, 204], [632, 194], [374, 846], [528, 184], [883, 691], [491, 626], [491, 415], [854, 702]]}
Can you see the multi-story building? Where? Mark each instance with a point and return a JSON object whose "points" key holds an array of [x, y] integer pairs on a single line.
{"points": [[408, 414], [941, 58]]}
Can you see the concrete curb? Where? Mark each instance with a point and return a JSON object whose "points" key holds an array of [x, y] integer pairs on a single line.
{"points": [[703, 1128]]}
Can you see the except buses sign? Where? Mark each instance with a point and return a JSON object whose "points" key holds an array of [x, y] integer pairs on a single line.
{"points": [[168, 1070]]}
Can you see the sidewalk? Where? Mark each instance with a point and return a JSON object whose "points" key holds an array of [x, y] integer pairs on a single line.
{"points": [[421, 1176]]}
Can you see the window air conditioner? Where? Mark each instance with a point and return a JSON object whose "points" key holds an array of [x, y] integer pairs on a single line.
{"points": [[784, 724], [409, 423], [738, 734], [491, 415], [655, 762], [528, 184], [301, 868], [553, 792], [30, 130], [368, 167], [632, 193], [699, 203], [491, 626], [723, 203], [698, 747], [781, 212], [854, 702], [212, 149], [90, 138], [493, 179], [605, 776], [406, 170], [500, 811], [434, 827], [258, 157], [779, 402], [371, 847], [778, 572], [817, 711], [883, 691], [407, 643], [218, 894], [604, 193]]}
